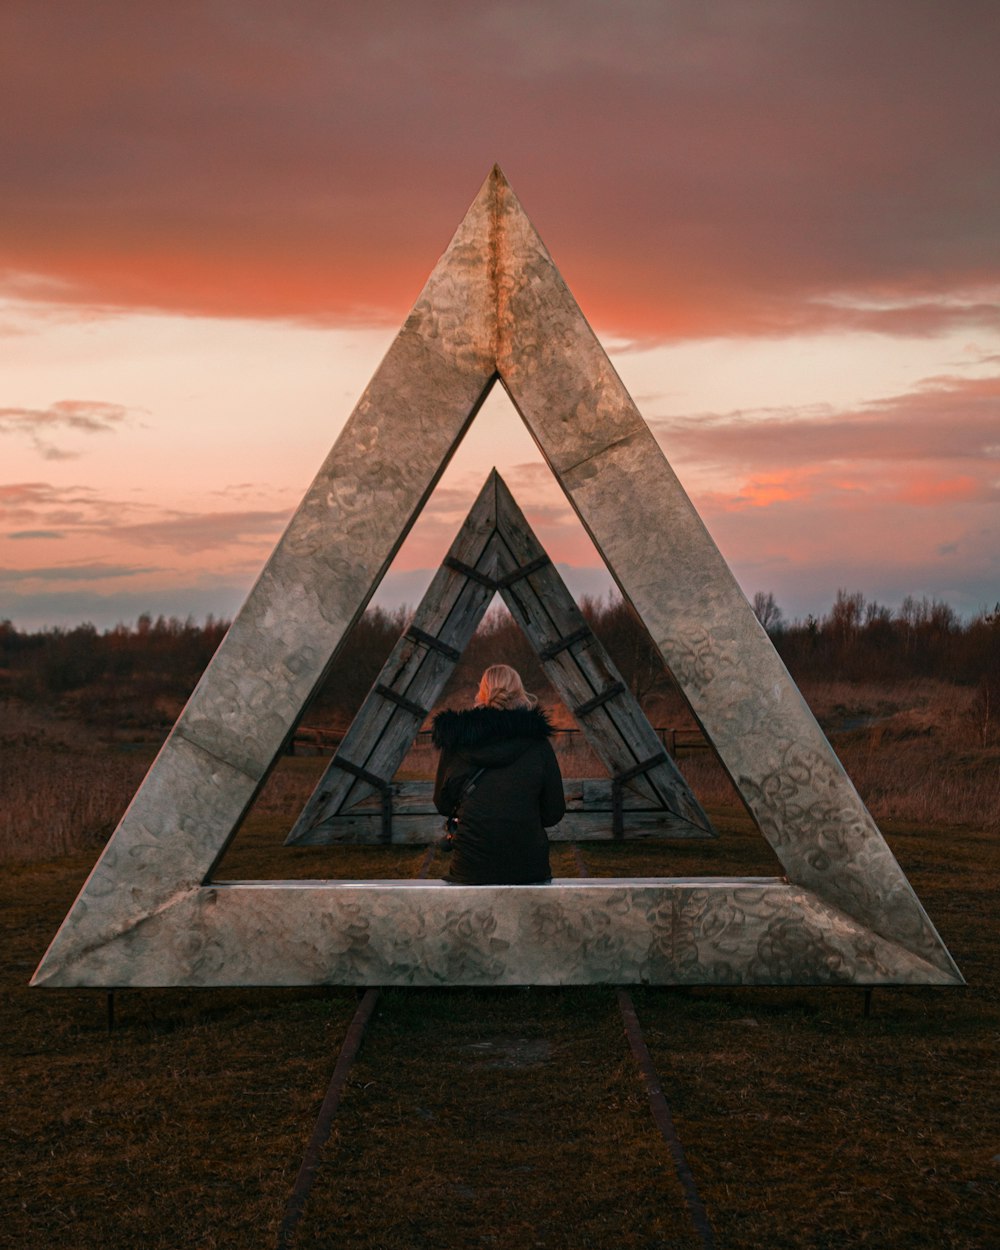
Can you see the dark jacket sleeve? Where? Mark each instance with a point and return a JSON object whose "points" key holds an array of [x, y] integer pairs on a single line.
{"points": [[553, 804], [440, 786]]}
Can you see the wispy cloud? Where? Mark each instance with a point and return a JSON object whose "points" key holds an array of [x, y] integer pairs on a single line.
{"points": [[40, 508], [190, 532], [919, 318], [897, 496], [948, 427], [77, 416], [96, 572]]}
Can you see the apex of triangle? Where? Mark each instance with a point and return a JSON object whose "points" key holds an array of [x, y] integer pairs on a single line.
{"points": [[497, 185]]}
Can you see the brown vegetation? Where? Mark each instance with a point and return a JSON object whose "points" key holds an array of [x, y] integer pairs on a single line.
{"points": [[508, 1118], [505, 1118], [910, 702], [63, 790]]}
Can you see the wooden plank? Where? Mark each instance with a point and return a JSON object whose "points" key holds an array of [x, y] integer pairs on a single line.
{"points": [[618, 731], [423, 829], [408, 660], [396, 729], [582, 794], [597, 826], [382, 732], [595, 664], [532, 607]]}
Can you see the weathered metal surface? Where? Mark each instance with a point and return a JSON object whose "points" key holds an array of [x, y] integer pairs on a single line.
{"points": [[495, 306], [667, 566], [319, 579], [595, 931], [495, 549]]}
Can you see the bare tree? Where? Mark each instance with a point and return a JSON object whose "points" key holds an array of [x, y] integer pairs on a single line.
{"points": [[766, 610]]}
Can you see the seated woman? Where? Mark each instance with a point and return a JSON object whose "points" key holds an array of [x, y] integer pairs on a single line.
{"points": [[500, 836]]}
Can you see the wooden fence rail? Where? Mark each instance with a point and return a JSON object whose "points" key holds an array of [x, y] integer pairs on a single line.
{"points": [[312, 740]]}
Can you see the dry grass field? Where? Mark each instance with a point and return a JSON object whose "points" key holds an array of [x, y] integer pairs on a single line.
{"points": [[511, 1118], [914, 750]]}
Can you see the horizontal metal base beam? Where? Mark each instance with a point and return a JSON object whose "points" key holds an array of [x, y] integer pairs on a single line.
{"points": [[692, 931]]}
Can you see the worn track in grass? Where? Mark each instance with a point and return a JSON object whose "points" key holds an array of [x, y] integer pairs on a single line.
{"points": [[506, 1052], [806, 1126]]}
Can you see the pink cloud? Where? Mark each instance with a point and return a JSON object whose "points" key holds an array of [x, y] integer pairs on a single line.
{"points": [[899, 496], [79, 513], [946, 419], [82, 572], [206, 531], [697, 170], [925, 491], [762, 491]]}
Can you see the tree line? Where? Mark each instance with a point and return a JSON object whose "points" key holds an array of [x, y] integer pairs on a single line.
{"points": [[863, 640], [140, 675]]}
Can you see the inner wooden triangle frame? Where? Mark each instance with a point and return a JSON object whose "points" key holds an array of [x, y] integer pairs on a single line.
{"points": [[495, 308], [496, 551]]}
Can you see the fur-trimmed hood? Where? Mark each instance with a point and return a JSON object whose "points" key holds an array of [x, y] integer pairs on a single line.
{"points": [[474, 728]]}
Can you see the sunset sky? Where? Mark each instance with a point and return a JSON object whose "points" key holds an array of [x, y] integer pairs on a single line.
{"points": [[782, 218]]}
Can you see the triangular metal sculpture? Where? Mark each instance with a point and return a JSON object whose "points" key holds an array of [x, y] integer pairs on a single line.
{"points": [[496, 551], [495, 308]]}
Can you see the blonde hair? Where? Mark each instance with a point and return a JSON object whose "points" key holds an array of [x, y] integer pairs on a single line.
{"points": [[501, 686]]}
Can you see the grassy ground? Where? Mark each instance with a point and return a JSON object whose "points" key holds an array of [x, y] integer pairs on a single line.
{"points": [[509, 1118], [915, 750]]}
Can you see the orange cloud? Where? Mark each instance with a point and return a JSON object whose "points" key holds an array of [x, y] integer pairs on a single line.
{"points": [[311, 161], [937, 441], [927, 491], [837, 490], [763, 491]]}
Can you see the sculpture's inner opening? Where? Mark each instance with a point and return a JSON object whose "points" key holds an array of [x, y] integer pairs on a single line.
{"points": [[353, 793]]}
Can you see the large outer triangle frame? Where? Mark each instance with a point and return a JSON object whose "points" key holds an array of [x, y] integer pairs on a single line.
{"points": [[496, 551], [495, 307]]}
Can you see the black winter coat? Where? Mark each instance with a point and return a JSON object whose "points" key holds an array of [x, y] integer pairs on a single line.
{"points": [[500, 839]]}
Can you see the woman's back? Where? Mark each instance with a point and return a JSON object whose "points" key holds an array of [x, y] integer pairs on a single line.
{"points": [[501, 833]]}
